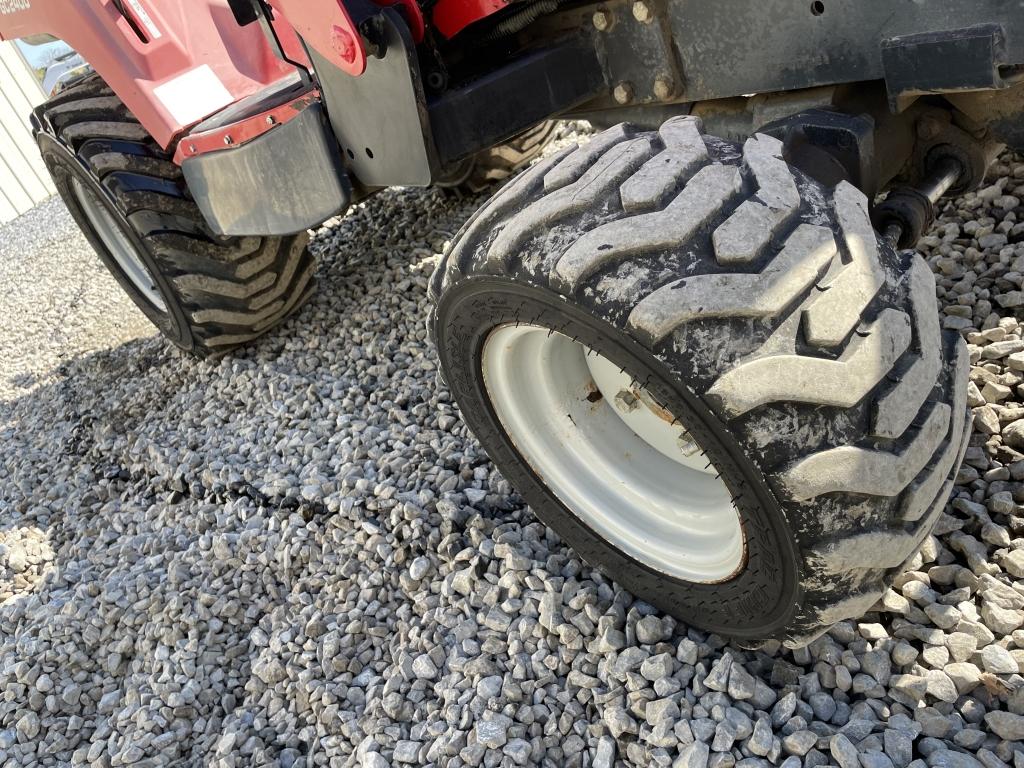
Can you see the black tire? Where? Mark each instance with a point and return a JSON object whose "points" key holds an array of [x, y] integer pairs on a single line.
{"points": [[218, 292], [498, 164], [801, 351]]}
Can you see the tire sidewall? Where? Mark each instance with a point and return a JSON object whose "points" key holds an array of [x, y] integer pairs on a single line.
{"points": [[65, 166], [757, 603]]}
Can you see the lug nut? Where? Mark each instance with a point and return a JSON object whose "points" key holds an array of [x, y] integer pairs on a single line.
{"points": [[623, 93], [663, 87], [642, 11], [688, 445], [627, 401], [602, 20]]}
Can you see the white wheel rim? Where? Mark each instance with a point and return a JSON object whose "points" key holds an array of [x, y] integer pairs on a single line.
{"points": [[110, 232], [618, 461]]}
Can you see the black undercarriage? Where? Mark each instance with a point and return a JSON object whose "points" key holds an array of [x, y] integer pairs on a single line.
{"points": [[872, 92]]}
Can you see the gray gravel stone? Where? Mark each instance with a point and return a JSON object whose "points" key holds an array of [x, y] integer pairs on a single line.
{"points": [[649, 630], [424, 668], [407, 752], [604, 754], [297, 555], [899, 746], [875, 760], [799, 743], [1006, 725], [947, 758], [843, 751], [692, 756], [998, 660]]}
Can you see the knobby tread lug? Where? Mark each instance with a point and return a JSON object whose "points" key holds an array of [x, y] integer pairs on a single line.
{"points": [[922, 493], [141, 201], [90, 87], [838, 309], [569, 170], [300, 291], [845, 348], [796, 378], [242, 249], [879, 549], [79, 132], [607, 173], [101, 108], [846, 607], [107, 163], [483, 221], [939, 502], [709, 189], [192, 284], [238, 288], [809, 249], [898, 407], [749, 230], [685, 153], [850, 469]]}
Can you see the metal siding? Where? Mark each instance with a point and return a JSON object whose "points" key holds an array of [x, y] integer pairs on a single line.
{"points": [[24, 180]]}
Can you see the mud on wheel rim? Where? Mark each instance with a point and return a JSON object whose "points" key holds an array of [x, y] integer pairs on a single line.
{"points": [[612, 454]]}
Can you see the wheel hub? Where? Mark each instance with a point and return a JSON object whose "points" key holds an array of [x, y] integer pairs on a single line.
{"points": [[620, 461]]}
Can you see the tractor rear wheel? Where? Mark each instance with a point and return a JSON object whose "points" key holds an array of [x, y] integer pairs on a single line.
{"points": [[498, 164], [708, 375], [207, 294]]}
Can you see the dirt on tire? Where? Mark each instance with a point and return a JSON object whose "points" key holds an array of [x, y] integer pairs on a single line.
{"points": [[220, 292], [807, 348]]}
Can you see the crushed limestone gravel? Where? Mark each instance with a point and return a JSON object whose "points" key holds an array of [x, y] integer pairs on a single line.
{"points": [[298, 555]]}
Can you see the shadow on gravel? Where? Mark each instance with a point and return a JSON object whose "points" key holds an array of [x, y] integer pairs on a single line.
{"points": [[299, 556], [170, 529]]}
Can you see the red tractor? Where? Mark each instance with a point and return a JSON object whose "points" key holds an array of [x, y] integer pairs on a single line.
{"points": [[704, 361]]}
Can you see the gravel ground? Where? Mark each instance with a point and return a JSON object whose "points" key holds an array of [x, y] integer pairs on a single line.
{"points": [[298, 556]]}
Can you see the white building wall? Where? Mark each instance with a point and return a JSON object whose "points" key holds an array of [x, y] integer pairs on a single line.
{"points": [[24, 180]]}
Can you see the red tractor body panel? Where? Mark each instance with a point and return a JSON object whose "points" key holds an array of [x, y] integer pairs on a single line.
{"points": [[194, 61], [452, 16], [327, 28], [176, 62]]}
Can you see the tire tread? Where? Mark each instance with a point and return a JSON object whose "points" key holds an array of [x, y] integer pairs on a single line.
{"points": [[850, 342], [231, 289]]}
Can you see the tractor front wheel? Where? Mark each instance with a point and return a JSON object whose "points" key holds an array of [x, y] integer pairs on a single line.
{"points": [[708, 375]]}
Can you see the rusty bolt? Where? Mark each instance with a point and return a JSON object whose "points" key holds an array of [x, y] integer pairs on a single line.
{"points": [[623, 93], [664, 87], [642, 11], [602, 20], [928, 128]]}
